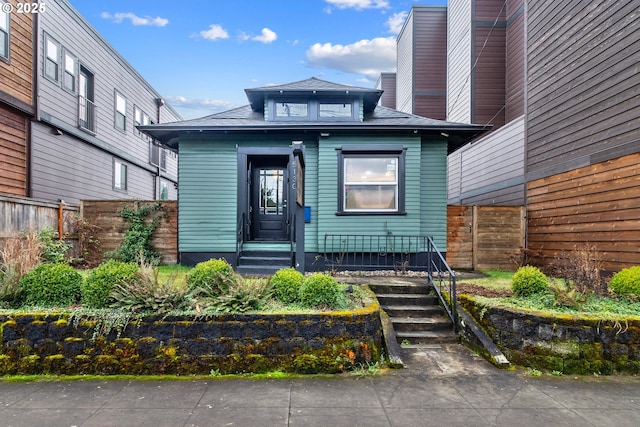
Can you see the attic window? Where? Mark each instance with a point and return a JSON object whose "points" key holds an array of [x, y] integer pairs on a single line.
{"points": [[292, 109], [336, 110]]}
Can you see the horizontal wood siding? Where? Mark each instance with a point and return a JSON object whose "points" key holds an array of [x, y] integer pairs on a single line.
{"points": [[488, 80], [111, 227], [311, 196], [595, 205], [515, 62], [330, 223], [208, 196], [404, 66], [16, 75], [433, 191], [459, 61], [13, 152], [582, 83], [485, 237], [490, 170], [430, 61]]}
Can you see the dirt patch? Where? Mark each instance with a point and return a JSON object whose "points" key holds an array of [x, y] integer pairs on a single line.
{"points": [[471, 289]]}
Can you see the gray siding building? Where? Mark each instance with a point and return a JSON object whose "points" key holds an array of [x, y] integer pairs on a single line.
{"points": [[85, 144]]}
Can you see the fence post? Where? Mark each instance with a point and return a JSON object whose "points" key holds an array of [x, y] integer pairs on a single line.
{"points": [[61, 220]]}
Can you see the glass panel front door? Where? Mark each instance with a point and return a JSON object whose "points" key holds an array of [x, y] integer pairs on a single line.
{"points": [[268, 208]]}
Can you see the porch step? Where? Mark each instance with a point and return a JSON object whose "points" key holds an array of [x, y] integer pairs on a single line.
{"points": [[415, 313], [263, 262]]}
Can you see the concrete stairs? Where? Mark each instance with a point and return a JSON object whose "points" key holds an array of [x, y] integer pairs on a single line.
{"points": [[415, 312], [263, 262]]}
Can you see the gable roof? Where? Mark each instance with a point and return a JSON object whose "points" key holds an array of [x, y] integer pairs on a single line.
{"points": [[250, 118]]}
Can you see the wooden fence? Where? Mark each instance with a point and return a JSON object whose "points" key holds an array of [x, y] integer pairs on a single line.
{"points": [[104, 215], [485, 237], [21, 214]]}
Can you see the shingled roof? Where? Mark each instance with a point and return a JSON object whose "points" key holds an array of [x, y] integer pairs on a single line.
{"points": [[250, 118]]}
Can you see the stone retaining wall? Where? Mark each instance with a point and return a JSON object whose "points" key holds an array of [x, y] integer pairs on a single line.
{"points": [[563, 343], [307, 343]]}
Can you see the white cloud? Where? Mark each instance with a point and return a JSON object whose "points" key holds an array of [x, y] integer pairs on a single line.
{"points": [[214, 32], [367, 57], [214, 105], [135, 19], [358, 4], [396, 21], [267, 36]]}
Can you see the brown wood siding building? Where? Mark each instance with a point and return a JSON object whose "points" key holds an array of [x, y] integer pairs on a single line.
{"points": [[422, 82], [387, 83], [16, 105], [515, 60], [583, 148]]}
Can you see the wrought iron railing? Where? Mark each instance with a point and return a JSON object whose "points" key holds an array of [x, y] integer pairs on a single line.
{"points": [[395, 252], [86, 114], [375, 252], [240, 237], [442, 278]]}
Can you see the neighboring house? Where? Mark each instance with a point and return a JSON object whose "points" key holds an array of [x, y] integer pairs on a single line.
{"points": [[84, 141], [387, 84], [559, 82], [16, 99], [249, 176], [421, 76]]}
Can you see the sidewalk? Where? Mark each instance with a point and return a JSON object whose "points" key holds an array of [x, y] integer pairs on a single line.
{"points": [[441, 386]]}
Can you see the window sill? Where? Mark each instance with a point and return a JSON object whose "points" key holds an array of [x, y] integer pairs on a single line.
{"points": [[373, 213]]}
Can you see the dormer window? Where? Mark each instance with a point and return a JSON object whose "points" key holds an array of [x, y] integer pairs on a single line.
{"points": [[313, 109], [292, 109]]}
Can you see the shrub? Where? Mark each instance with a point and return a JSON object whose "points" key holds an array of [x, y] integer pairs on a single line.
{"points": [[210, 278], [100, 282], [320, 290], [626, 281], [54, 248], [529, 281], [286, 285], [136, 245], [19, 255], [148, 293], [243, 295], [51, 285]]}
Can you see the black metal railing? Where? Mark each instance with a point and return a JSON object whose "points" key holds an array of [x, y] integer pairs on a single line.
{"points": [[442, 278], [239, 237], [86, 114], [400, 253], [375, 252]]}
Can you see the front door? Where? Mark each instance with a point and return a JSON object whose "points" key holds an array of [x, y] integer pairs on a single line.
{"points": [[268, 203]]}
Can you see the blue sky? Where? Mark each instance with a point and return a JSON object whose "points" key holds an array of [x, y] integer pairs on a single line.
{"points": [[202, 54]]}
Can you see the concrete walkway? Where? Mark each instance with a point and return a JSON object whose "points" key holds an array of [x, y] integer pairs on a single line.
{"points": [[442, 386]]}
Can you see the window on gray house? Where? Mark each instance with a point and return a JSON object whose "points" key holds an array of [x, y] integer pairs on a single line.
{"points": [[335, 110], [70, 72], [52, 59], [119, 176], [121, 112], [292, 109], [5, 25]]}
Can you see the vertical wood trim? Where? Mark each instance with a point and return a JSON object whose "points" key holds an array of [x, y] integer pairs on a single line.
{"points": [[474, 237]]}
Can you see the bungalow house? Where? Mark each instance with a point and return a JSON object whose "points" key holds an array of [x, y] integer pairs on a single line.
{"points": [[309, 168]]}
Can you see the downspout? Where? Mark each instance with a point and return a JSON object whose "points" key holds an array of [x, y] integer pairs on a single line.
{"points": [[156, 180], [35, 99]]}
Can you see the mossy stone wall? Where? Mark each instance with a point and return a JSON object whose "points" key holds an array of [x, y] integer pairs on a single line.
{"points": [[569, 344], [309, 343]]}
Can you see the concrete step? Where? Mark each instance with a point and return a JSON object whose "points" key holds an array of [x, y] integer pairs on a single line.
{"points": [[413, 311], [265, 260], [421, 324], [401, 288], [407, 299], [259, 270], [426, 337]]}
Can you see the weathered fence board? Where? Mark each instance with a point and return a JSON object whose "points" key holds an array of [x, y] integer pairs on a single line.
{"points": [[485, 237], [111, 227]]}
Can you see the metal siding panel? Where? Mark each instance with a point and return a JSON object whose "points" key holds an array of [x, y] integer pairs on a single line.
{"points": [[404, 72], [459, 61]]}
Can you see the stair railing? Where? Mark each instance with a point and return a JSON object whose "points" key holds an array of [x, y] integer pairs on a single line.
{"points": [[239, 238], [443, 279]]}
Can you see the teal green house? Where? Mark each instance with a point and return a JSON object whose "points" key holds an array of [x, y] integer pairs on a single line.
{"points": [[311, 174]]}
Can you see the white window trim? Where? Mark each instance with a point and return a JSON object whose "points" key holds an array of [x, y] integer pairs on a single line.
{"points": [[118, 112], [66, 54], [48, 39], [393, 184], [120, 171]]}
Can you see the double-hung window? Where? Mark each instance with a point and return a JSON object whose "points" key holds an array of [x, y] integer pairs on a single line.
{"points": [[371, 181], [121, 112], [119, 176], [4, 32], [69, 76], [52, 59]]}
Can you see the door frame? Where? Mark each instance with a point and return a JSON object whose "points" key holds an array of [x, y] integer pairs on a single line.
{"points": [[256, 218], [295, 197]]}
